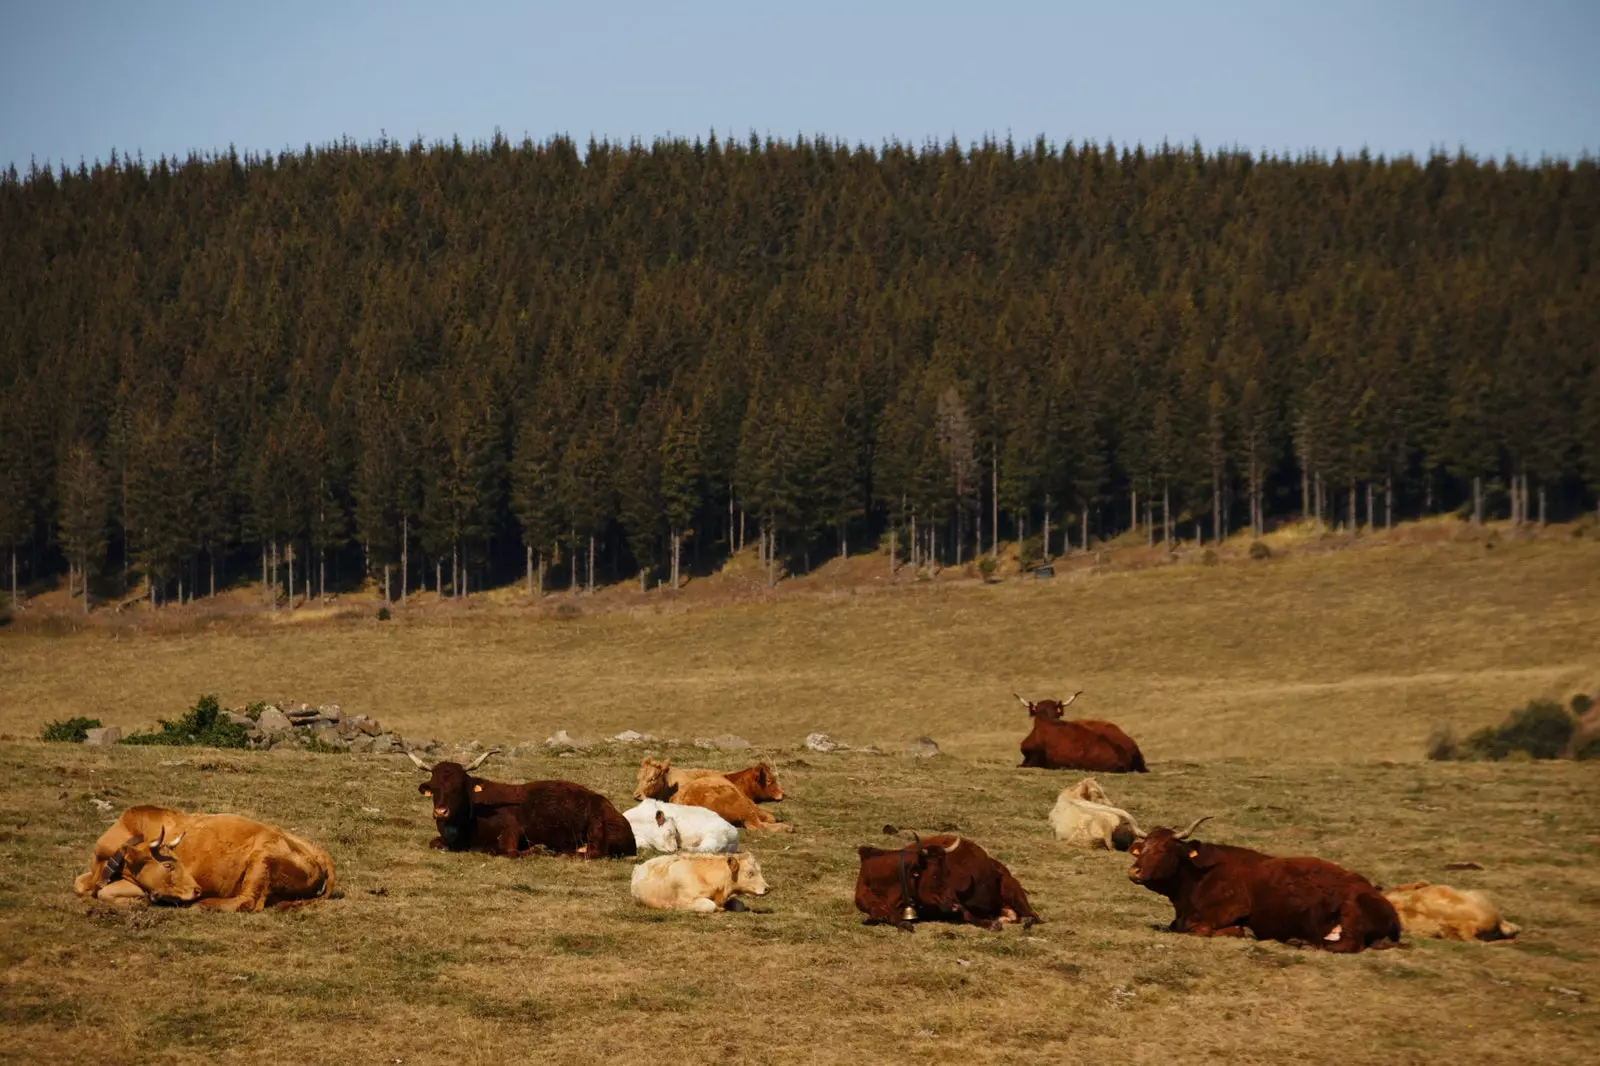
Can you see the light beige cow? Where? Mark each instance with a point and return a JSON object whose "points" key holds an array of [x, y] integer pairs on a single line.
{"points": [[701, 883], [1447, 913], [1084, 816], [659, 781]]}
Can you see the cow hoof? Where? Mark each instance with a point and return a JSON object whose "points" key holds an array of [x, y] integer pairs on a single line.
{"points": [[1029, 923], [1334, 934], [735, 904]]}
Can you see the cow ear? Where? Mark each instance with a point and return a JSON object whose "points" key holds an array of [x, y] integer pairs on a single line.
{"points": [[661, 818], [478, 787], [733, 865]]}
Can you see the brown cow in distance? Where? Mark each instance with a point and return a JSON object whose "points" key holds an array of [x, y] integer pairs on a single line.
{"points": [[1078, 744], [657, 780], [757, 782], [473, 814], [1220, 890], [942, 878]]}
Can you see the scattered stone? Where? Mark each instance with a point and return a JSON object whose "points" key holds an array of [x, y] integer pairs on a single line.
{"points": [[326, 734], [722, 742], [372, 810], [101, 804], [890, 829], [360, 745], [821, 742], [104, 736], [1462, 866], [870, 749], [922, 748], [273, 721], [239, 719], [561, 740], [384, 744], [631, 736]]}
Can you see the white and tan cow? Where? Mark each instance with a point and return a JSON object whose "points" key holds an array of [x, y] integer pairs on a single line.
{"points": [[1084, 816], [701, 883], [1447, 913], [215, 861], [668, 827]]}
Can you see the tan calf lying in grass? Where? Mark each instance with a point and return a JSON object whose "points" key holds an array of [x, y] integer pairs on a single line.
{"points": [[1083, 815], [709, 789], [701, 883], [1447, 913], [216, 861]]}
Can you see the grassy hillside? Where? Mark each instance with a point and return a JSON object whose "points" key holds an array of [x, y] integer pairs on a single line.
{"points": [[1288, 698]]}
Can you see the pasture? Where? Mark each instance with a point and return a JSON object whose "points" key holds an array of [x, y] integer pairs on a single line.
{"points": [[1289, 698]]}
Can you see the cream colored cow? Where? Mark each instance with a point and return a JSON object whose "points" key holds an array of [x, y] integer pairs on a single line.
{"points": [[701, 883]]}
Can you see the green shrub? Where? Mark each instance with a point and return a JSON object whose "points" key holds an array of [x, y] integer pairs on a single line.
{"points": [[986, 567], [1540, 730], [202, 727], [383, 614], [1259, 550], [71, 730], [1209, 558], [1581, 704], [1442, 745], [1590, 749], [253, 711]]}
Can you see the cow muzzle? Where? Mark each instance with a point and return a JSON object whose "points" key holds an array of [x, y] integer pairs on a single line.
{"points": [[441, 812]]}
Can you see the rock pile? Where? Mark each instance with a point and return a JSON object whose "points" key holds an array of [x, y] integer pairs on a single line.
{"points": [[289, 725]]}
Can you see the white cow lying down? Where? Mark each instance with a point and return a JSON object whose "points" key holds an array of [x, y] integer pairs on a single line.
{"points": [[701, 883], [1084, 816], [677, 827]]}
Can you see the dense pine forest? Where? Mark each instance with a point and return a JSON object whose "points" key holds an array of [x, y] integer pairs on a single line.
{"points": [[443, 366]]}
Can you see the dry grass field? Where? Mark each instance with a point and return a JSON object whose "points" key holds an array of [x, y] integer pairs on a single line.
{"points": [[1289, 698]]}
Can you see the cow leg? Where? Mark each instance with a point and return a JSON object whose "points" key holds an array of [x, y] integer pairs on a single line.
{"points": [[122, 894], [508, 843], [596, 839], [252, 891], [704, 905]]}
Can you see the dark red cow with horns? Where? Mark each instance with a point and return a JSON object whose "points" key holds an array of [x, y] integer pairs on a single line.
{"points": [[942, 878], [1079, 744], [1220, 890], [512, 820]]}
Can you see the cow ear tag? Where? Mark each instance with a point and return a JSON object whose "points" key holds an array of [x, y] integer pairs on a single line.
{"points": [[1194, 853], [426, 791], [477, 788]]}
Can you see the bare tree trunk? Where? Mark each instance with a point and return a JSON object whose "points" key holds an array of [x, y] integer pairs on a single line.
{"points": [[528, 568], [455, 570], [994, 506], [1134, 511], [741, 529], [844, 539], [732, 547], [1372, 519], [387, 569], [892, 552], [771, 536], [1305, 492], [1085, 527], [1352, 506], [1149, 523], [289, 558], [438, 579], [1166, 513], [405, 558], [1317, 490], [211, 560], [591, 562], [277, 564], [541, 575], [1216, 508], [1047, 533], [916, 546], [1477, 500], [1388, 501], [1542, 511], [15, 603], [83, 568]]}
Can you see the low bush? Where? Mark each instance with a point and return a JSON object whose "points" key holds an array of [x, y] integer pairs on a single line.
{"points": [[1541, 730], [1259, 550], [201, 727], [70, 730], [986, 567], [383, 614]]}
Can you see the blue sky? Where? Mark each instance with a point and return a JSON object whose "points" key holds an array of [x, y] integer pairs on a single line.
{"points": [[77, 78]]}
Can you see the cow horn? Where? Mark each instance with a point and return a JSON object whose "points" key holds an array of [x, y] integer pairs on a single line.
{"points": [[475, 763], [156, 846], [1024, 702], [1192, 827], [176, 841], [414, 757], [1075, 695]]}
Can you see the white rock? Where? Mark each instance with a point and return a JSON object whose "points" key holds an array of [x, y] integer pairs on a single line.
{"points": [[103, 737], [821, 742]]}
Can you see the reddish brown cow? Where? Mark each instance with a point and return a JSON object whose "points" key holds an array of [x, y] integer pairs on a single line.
{"points": [[511, 820], [1220, 890], [1079, 744], [942, 878]]}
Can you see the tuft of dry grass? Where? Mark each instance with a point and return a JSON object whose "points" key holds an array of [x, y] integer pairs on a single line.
{"points": [[1289, 698]]}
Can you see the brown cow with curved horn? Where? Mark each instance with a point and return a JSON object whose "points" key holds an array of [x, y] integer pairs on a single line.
{"points": [[1221, 890], [474, 814], [1077, 744]]}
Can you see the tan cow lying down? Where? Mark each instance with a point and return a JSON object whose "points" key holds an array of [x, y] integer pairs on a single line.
{"points": [[1084, 816], [701, 883], [219, 862], [659, 781], [1447, 913]]}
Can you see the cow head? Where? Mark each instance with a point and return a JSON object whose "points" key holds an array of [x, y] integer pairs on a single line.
{"points": [[451, 786], [652, 780], [671, 838], [746, 874], [1159, 857], [1049, 710], [766, 784], [931, 878], [154, 868], [1088, 790]]}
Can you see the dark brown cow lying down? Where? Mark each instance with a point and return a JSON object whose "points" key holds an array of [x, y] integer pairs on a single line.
{"points": [[1220, 890], [942, 878], [473, 814], [1078, 744]]}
